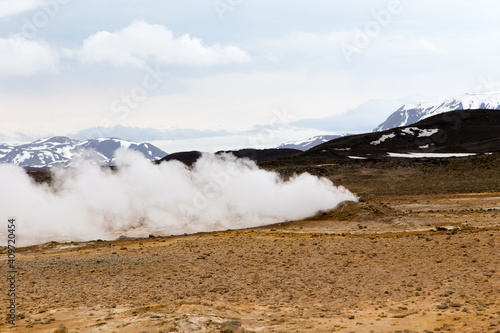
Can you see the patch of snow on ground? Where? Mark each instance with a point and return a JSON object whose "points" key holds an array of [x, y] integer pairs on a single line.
{"points": [[430, 155], [427, 132], [383, 138], [410, 130]]}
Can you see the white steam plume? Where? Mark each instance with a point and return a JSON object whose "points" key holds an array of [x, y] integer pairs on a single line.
{"points": [[220, 192]]}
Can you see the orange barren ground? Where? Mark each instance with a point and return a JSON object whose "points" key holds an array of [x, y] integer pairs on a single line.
{"points": [[420, 263]]}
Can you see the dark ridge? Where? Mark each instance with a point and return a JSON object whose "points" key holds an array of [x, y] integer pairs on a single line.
{"points": [[264, 155], [186, 157], [257, 155], [43, 175], [463, 131]]}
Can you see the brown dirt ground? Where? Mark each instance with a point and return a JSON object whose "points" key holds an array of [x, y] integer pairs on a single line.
{"points": [[415, 261]]}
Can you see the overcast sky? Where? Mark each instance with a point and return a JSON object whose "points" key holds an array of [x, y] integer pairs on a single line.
{"points": [[235, 66]]}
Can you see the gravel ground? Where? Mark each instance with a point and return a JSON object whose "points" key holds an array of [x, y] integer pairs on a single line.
{"points": [[418, 253], [325, 274]]}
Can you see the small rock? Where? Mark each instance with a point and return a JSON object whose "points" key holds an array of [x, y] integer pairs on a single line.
{"points": [[232, 326], [442, 306], [123, 237], [46, 321], [61, 329]]}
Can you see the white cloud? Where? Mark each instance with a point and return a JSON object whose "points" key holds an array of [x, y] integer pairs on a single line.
{"points": [[299, 43], [141, 42], [15, 7], [20, 56], [398, 45]]}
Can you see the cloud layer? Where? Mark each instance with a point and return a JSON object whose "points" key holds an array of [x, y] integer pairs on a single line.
{"points": [[141, 42], [11, 8], [21, 56]]}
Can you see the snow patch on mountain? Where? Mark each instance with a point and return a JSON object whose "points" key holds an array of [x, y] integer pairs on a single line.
{"points": [[414, 131], [411, 113], [383, 138], [422, 133]]}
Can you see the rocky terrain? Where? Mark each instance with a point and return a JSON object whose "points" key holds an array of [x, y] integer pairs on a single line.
{"points": [[418, 253]]}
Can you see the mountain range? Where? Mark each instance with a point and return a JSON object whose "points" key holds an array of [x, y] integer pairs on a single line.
{"points": [[411, 113], [308, 143], [62, 151], [450, 134]]}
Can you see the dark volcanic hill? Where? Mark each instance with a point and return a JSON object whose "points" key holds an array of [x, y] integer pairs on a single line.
{"points": [[257, 155], [264, 155], [464, 131], [186, 157]]}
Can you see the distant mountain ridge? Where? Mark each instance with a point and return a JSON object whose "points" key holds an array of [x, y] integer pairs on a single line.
{"points": [[411, 113], [62, 151], [308, 143]]}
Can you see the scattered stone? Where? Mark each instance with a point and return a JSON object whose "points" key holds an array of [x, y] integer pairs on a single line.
{"points": [[61, 329], [123, 237], [232, 326], [47, 321]]}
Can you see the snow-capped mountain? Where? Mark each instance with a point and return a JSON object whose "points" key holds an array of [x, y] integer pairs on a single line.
{"points": [[411, 113], [308, 143], [61, 151]]}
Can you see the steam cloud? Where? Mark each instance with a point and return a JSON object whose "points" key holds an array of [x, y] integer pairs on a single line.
{"points": [[220, 192]]}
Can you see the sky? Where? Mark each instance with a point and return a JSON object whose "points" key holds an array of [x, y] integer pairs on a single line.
{"points": [[224, 74]]}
